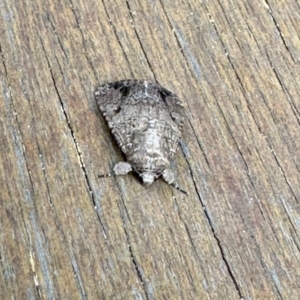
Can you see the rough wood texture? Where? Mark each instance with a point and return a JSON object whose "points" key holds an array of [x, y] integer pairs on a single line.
{"points": [[65, 234]]}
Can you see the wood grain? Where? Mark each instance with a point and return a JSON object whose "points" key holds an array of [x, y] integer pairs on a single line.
{"points": [[65, 234]]}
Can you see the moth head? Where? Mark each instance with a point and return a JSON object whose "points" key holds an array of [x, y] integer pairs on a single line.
{"points": [[147, 177]]}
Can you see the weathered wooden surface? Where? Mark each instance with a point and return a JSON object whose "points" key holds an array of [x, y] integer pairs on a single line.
{"points": [[65, 234]]}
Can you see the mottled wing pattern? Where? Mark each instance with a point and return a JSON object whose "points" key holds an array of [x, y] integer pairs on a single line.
{"points": [[110, 98], [129, 95], [177, 113], [174, 105]]}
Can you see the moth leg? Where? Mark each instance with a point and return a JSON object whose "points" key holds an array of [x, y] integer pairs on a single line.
{"points": [[169, 175], [121, 168]]}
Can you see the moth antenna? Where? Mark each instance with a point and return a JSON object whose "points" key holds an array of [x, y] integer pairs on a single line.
{"points": [[105, 175], [179, 188]]}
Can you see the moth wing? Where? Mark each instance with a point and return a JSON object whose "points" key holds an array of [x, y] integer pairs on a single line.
{"points": [[123, 140], [174, 105], [109, 97]]}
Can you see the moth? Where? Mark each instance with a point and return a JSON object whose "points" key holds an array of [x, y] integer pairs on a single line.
{"points": [[146, 121]]}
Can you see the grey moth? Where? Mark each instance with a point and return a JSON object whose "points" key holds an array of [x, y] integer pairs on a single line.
{"points": [[146, 121]]}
